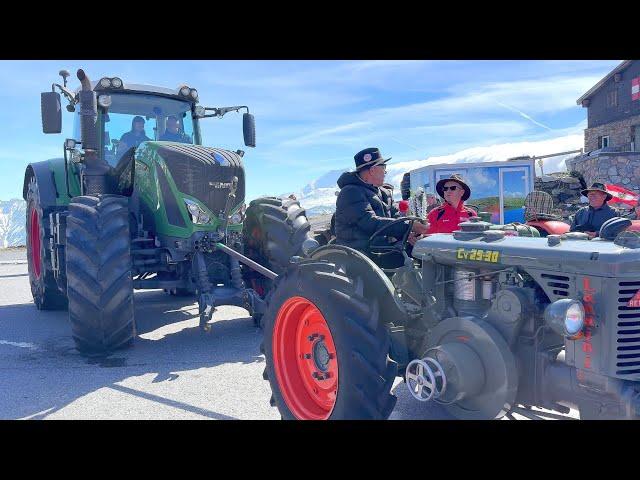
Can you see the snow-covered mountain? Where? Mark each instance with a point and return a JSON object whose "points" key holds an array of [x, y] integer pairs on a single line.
{"points": [[319, 196], [12, 223]]}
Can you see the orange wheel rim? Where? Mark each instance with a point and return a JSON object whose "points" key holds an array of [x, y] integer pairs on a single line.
{"points": [[305, 360]]}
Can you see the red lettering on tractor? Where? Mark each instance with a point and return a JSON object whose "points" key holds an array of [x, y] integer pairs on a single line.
{"points": [[589, 322], [635, 300]]}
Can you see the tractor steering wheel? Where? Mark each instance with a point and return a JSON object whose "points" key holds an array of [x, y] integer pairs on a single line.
{"points": [[398, 246]]}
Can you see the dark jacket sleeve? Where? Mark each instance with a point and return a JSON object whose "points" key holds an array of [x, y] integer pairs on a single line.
{"points": [[575, 220], [355, 209]]}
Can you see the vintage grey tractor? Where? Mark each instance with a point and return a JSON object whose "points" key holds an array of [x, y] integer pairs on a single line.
{"points": [[483, 323], [129, 211]]}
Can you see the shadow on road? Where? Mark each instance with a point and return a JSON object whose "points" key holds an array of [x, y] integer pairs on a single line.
{"points": [[44, 372]]}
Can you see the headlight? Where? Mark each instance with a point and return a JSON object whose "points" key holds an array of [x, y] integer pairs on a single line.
{"points": [[574, 319], [105, 82], [236, 218], [198, 216], [194, 93], [104, 101], [116, 82], [565, 317], [185, 91], [193, 209]]}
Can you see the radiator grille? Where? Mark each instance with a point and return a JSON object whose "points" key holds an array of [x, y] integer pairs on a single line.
{"points": [[203, 172], [628, 332], [558, 284]]}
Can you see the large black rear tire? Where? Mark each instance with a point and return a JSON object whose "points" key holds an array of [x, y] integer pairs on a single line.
{"points": [[99, 283], [320, 293], [273, 232], [44, 288]]}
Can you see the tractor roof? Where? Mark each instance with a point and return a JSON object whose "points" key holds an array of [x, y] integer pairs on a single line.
{"points": [[142, 88]]}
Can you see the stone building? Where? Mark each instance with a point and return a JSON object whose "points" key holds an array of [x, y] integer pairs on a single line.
{"points": [[612, 136]]}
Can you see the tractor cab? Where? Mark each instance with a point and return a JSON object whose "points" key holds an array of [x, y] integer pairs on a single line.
{"points": [[130, 114]]}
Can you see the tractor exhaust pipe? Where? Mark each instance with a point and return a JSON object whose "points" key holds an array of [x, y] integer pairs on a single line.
{"points": [[88, 114], [94, 178]]}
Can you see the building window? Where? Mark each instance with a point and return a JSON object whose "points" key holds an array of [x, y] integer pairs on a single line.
{"points": [[612, 98], [603, 141]]}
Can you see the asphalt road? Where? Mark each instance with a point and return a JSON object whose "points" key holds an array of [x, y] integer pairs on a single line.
{"points": [[174, 371]]}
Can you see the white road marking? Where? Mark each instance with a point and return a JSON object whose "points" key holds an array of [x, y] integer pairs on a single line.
{"points": [[32, 346]]}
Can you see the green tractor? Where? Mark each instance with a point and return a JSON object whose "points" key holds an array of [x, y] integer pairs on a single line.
{"points": [[129, 211]]}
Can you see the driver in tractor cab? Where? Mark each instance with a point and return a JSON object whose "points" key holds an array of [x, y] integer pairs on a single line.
{"points": [[589, 219], [135, 136], [173, 133], [364, 205]]}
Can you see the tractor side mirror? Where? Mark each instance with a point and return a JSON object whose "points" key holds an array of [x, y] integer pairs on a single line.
{"points": [[51, 112], [249, 129]]}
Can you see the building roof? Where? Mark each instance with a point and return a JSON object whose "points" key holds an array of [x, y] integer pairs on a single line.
{"points": [[597, 86]]}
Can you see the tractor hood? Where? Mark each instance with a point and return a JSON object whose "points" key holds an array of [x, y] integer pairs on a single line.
{"points": [[590, 257], [203, 172]]}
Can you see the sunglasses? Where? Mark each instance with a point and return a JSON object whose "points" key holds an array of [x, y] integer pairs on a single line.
{"points": [[452, 188]]}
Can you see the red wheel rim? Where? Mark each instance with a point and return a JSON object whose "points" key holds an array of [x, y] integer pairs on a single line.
{"points": [[305, 360], [34, 240]]}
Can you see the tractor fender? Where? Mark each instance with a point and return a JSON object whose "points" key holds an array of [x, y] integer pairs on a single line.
{"points": [[552, 227], [376, 283], [46, 182]]}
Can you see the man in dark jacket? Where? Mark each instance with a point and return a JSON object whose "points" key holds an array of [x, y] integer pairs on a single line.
{"points": [[173, 133], [364, 205], [590, 219]]}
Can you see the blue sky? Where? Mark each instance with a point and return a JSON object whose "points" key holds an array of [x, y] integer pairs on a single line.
{"points": [[312, 116]]}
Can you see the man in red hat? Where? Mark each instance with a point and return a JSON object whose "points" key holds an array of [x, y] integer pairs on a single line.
{"points": [[447, 217]]}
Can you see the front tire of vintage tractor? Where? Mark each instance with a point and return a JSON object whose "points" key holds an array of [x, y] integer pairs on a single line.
{"points": [[273, 232], [326, 347], [99, 283], [44, 288]]}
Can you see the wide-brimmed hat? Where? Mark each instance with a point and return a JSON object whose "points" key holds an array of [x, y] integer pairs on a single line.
{"points": [[597, 187], [369, 157], [453, 178]]}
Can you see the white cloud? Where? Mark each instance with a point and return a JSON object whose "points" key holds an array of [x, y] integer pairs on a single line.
{"points": [[478, 179], [534, 96], [327, 135], [488, 129]]}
